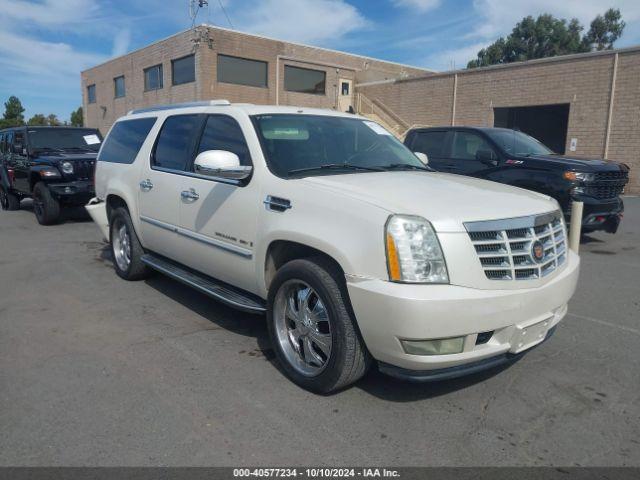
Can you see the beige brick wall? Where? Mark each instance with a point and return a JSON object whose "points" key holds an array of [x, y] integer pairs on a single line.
{"points": [[337, 65], [584, 82]]}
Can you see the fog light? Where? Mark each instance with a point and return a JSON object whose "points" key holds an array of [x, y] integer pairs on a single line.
{"points": [[442, 346]]}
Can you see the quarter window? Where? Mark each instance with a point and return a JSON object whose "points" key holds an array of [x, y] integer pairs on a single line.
{"points": [[125, 139], [176, 142], [242, 71], [183, 70], [224, 133], [466, 145], [91, 94], [304, 80], [153, 78], [118, 86]]}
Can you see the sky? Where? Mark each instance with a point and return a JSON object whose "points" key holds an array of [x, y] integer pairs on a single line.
{"points": [[45, 44]]}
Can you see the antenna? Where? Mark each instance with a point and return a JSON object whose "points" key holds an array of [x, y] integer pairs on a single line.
{"points": [[194, 8]]}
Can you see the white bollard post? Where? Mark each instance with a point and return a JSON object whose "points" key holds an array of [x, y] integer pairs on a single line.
{"points": [[576, 226]]}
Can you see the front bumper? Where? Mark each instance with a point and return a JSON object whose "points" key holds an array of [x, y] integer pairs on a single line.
{"points": [[519, 319], [97, 209], [598, 214], [78, 192]]}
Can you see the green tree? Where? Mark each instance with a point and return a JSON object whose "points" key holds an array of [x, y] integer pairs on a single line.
{"points": [[52, 120], [13, 113], [547, 36], [37, 119], [76, 118]]}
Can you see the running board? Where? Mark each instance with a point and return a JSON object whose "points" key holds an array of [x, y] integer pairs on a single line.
{"points": [[217, 290]]}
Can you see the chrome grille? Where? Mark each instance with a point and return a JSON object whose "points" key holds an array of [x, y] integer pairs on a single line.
{"points": [[505, 247]]}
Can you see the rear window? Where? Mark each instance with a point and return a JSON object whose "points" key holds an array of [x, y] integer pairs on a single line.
{"points": [[124, 140], [431, 143]]}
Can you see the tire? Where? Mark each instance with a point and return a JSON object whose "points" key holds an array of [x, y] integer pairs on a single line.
{"points": [[126, 249], [347, 359], [8, 201], [46, 208]]}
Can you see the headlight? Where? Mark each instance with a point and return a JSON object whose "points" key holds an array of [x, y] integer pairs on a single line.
{"points": [[579, 176], [413, 251], [67, 167]]}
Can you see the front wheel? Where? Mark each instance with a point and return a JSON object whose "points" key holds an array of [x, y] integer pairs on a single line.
{"points": [[46, 208], [311, 327], [8, 200]]}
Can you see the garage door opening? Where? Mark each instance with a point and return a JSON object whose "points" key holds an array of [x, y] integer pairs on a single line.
{"points": [[547, 123]]}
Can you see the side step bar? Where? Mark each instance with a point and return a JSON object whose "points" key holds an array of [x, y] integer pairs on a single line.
{"points": [[217, 290]]}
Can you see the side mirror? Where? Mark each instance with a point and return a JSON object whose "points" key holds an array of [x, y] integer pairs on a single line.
{"points": [[221, 164], [423, 157], [487, 157]]}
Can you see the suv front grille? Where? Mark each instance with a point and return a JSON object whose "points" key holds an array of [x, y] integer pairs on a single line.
{"points": [[84, 169], [505, 248]]}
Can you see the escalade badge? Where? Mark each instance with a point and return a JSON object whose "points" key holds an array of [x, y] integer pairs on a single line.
{"points": [[537, 251]]}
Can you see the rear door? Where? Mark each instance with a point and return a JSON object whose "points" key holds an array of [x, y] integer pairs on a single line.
{"points": [[161, 182], [472, 154], [20, 161], [435, 144]]}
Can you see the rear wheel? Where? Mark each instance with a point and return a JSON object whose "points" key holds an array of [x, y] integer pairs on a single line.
{"points": [[311, 327], [46, 208], [126, 249], [8, 200]]}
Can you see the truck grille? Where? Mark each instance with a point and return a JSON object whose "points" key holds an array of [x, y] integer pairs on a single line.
{"points": [[607, 185], [505, 248], [604, 192], [84, 169]]}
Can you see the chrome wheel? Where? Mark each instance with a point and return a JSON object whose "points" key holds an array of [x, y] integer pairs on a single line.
{"points": [[302, 327], [121, 245]]}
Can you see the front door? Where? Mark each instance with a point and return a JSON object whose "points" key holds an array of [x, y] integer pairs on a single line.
{"points": [[345, 95], [19, 162], [472, 155], [162, 183], [218, 217]]}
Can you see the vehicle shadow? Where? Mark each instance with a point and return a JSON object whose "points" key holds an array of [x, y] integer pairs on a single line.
{"points": [[69, 214], [586, 239]]}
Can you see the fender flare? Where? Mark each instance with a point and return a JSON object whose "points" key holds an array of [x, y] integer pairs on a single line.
{"points": [[4, 177]]}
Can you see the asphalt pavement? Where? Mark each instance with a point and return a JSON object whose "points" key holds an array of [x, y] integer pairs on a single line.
{"points": [[98, 371]]}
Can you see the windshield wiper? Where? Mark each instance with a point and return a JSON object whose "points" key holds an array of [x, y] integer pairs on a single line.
{"points": [[406, 166], [335, 166]]}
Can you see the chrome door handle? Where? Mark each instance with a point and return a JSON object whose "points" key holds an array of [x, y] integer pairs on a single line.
{"points": [[189, 195], [146, 185]]}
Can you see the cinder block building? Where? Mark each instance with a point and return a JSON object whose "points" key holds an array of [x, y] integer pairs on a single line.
{"points": [[586, 105], [209, 62]]}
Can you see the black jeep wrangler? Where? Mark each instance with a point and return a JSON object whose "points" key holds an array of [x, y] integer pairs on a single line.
{"points": [[512, 157], [53, 165]]}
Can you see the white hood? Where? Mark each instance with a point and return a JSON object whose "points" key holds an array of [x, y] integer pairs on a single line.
{"points": [[446, 200]]}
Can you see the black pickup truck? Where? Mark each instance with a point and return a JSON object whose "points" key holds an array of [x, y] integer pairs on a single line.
{"points": [[52, 165], [512, 157]]}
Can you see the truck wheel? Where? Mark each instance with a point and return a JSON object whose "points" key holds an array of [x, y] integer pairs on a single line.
{"points": [[8, 201], [46, 208], [126, 249], [313, 332]]}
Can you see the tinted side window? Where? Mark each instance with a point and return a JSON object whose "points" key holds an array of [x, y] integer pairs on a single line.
{"points": [[467, 144], [224, 133], [431, 143], [175, 145], [124, 140]]}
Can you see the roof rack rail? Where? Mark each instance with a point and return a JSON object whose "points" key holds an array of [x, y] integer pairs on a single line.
{"points": [[205, 103]]}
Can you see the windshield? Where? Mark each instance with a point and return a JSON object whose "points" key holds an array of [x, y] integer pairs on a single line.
{"points": [[65, 139], [301, 145], [518, 143]]}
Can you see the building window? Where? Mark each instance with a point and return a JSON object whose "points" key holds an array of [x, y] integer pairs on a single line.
{"points": [[242, 71], [304, 80], [91, 94], [183, 70], [153, 78], [118, 86]]}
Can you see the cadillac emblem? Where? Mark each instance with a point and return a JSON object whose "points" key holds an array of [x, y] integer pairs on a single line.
{"points": [[537, 251]]}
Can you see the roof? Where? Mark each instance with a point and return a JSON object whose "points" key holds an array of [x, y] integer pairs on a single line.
{"points": [[255, 36], [217, 106], [41, 127]]}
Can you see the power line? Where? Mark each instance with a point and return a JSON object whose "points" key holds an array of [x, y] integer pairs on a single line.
{"points": [[225, 13]]}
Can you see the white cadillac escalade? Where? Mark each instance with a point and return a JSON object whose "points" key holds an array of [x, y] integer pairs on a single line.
{"points": [[356, 251]]}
